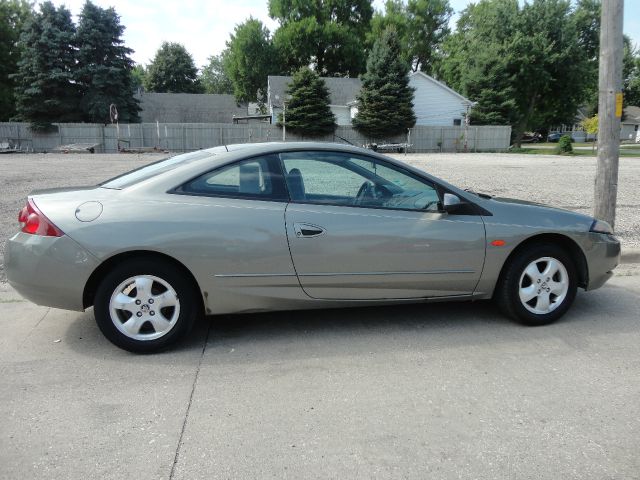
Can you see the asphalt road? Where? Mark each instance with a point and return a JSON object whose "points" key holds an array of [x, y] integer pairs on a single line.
{"points": [[441, 391]]}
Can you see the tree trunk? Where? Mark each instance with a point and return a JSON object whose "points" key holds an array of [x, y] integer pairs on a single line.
{"points": [[524, 122]]}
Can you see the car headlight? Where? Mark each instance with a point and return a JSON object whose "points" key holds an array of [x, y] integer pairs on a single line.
{"points": [[600, 226]]}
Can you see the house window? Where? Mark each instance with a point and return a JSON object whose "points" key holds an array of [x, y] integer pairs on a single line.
{"points": [[457, 122]]}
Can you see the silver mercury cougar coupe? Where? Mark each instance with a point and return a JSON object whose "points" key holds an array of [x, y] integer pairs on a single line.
{"points": [[277, 226]]}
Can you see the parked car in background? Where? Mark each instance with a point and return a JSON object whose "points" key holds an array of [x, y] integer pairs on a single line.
{"points": [[531, 137], [286, 226], [577, 136], [554, 136]]}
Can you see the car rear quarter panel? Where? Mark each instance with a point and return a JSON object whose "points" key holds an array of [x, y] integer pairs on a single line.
{"points": [[49, 271], [236, 249]]}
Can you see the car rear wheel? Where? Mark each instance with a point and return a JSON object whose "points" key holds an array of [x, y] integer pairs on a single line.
{"points": [[538, 286], [145, 306]]}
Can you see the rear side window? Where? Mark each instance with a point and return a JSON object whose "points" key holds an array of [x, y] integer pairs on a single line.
{"points": [[257, 178]]}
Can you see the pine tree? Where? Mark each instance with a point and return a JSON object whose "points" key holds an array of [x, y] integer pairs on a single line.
{"points": [[104, 66], [308, 112], [385, 102], [14, 15], [45, 91]]}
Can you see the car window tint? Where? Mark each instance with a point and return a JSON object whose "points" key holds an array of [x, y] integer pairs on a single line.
{"points": [[251, 178], [345, 179]]}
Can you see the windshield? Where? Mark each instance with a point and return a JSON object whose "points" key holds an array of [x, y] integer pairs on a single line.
{"points": [[156, 168]]}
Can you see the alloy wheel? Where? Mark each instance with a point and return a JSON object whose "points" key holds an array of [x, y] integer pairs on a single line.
{"points": [[144, 307], [543, 285]]}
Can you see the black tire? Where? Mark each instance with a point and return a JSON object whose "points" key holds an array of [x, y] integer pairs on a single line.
{"points": [[189, 304], [507, 294]]}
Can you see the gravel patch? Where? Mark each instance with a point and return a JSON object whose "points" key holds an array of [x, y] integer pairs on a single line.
{"points": [[565, 182]]}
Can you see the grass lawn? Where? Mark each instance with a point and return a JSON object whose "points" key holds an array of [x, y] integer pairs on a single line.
{"points": [[551, 144], [579, 144]]}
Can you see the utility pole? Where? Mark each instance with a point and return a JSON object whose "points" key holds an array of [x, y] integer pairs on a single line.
{"points": [[609, 110]]}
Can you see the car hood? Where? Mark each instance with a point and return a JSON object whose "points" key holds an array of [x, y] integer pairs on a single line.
{"points": [[517, 201], [539, 210]]}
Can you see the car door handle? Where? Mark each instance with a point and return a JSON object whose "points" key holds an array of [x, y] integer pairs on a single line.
{"points": [[307, 230]]}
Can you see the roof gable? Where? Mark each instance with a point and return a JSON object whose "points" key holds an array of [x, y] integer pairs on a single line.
{"points": [[632, 114], [441, 85]]}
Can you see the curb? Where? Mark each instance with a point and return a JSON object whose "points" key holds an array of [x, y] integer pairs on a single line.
{"points": [[630, 255]]}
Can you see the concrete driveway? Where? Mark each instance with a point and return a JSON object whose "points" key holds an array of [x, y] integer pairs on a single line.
{"points": [[426, 391]]}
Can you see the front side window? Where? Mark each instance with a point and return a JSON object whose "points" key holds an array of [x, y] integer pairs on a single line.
{"points": [[256, 178], [349, 180]]}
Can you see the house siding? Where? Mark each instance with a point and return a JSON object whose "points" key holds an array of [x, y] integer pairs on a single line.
{"points": [[628, 131], [435, 105]]}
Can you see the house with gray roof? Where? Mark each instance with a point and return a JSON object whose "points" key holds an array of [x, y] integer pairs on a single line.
{"points": [[630, 124], [189, 108], [434, 102]]}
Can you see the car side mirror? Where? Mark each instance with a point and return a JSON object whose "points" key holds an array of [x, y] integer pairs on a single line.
{"points": [[451, 203]]}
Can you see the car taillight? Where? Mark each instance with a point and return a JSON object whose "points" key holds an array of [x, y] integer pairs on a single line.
{"points": [[34, 222]]}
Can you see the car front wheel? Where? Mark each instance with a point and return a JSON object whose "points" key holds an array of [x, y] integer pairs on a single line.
{"points": [[538, 286], [145, 306]]}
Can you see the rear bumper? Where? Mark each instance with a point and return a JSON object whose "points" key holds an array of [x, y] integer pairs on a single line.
{"points": [[602, 258], [49, 271]]}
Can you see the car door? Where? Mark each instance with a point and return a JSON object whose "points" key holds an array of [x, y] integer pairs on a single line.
{"points": [[230, 232], [360, 228]]}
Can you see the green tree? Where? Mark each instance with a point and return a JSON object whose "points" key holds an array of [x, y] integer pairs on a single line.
{"points": [[587, 20], [104, 66], [214, 78], [172, 70], [631, 74], [308, 112], [385, 102], [422, 26], [138, 75], [523, 64], [14, 14], [326, 34], [249, 60], [45, 88]]}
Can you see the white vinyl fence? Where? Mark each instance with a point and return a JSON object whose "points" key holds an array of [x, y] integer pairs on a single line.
{"points": [[194, 136]]}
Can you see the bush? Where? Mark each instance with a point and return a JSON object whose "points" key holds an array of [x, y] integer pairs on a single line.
{"points": [[564, 145]]}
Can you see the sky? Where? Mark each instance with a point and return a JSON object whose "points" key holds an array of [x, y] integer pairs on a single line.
{"points": [[203, 26]]}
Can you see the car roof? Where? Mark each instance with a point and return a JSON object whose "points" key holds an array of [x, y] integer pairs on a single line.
{"points": [[235, 152], [268, 147]]}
